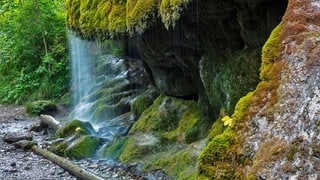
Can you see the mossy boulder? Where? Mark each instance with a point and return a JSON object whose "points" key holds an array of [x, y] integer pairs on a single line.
{"points": [[162, 132], [76, 139], [75, 126], [83, 147], [113, 150], [77, 147], [180, 161], [40, 107], [143, 101]]}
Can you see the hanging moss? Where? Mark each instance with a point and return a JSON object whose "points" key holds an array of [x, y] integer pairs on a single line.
{"points": [[107, 18], [170, 11]]}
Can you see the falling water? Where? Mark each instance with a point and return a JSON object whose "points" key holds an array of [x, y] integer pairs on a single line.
{"points": [[92, 67], [83, 54]]}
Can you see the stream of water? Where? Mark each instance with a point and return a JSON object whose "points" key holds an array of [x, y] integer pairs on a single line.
{"points": [[92, 68]]}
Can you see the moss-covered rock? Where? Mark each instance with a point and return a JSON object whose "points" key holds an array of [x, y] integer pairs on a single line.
{"points": [[143, 101], [229, 77], [76, 140], [111, 17], [83, 147], [161, 135], [75, 126], [114, 150], [222, 158], [40, 107], [76, 146]]}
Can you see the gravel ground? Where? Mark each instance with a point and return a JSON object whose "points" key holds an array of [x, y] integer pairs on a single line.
{"points": [[19, 164]]}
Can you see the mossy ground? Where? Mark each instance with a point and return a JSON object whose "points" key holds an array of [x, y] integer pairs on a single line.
{"points": [[40, 107]]}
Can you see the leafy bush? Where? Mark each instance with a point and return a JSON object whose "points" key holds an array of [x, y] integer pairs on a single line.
{"points": [[33, 58], [40, 107]]}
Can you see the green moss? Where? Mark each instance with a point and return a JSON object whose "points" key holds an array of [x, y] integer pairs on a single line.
{"points": [[181, 165], [83, 147], [105, 18], [216, 129], [143, 101], [137, 147], [167, 122], [217, 159], [84, 128], [227, 77], [270, 53], [115, 149], [139, 13], [59, 146], [40, 107], [214, 158], [220, 159], [170, 11]]}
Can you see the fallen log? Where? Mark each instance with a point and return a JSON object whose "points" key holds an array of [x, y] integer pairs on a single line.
{"points": [[60, 161], [49, 121]]}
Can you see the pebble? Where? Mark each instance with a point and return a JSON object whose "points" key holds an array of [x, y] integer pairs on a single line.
{"points": [[13, 164], [27, 168]]}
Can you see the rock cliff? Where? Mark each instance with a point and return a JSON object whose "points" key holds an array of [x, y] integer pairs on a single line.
{"points": [[211, 52]]}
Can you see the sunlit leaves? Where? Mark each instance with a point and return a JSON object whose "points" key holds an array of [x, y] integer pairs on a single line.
{"points": [[32, 50]]}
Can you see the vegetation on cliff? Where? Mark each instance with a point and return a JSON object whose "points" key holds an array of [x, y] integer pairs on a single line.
{"points": [[223, 157], [102, 19]]}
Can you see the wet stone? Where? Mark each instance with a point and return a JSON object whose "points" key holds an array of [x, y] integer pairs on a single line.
{"points": [[12, 137], [13, 164]]}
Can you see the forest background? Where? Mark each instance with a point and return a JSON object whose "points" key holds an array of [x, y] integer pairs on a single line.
{"points": [[33, 51]]}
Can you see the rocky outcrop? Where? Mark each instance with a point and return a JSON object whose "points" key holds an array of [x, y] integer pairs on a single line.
{"points": [[279, 123], [173, 36], [209, 51]]}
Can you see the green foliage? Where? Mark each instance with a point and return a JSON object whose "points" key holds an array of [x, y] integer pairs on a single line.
{"points": [[33, 58], [40, 107]]}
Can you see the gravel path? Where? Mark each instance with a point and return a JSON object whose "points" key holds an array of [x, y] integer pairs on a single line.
{"points": [[18, 164]]}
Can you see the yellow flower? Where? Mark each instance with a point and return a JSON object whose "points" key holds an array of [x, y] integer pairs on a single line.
{"points": [[227, 121]]}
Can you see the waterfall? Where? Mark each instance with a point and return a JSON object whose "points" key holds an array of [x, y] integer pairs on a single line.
{"points": [[95, 75]]}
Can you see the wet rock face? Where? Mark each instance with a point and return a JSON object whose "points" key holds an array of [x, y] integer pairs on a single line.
{"points": [[221, 32], [172, 64]]}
